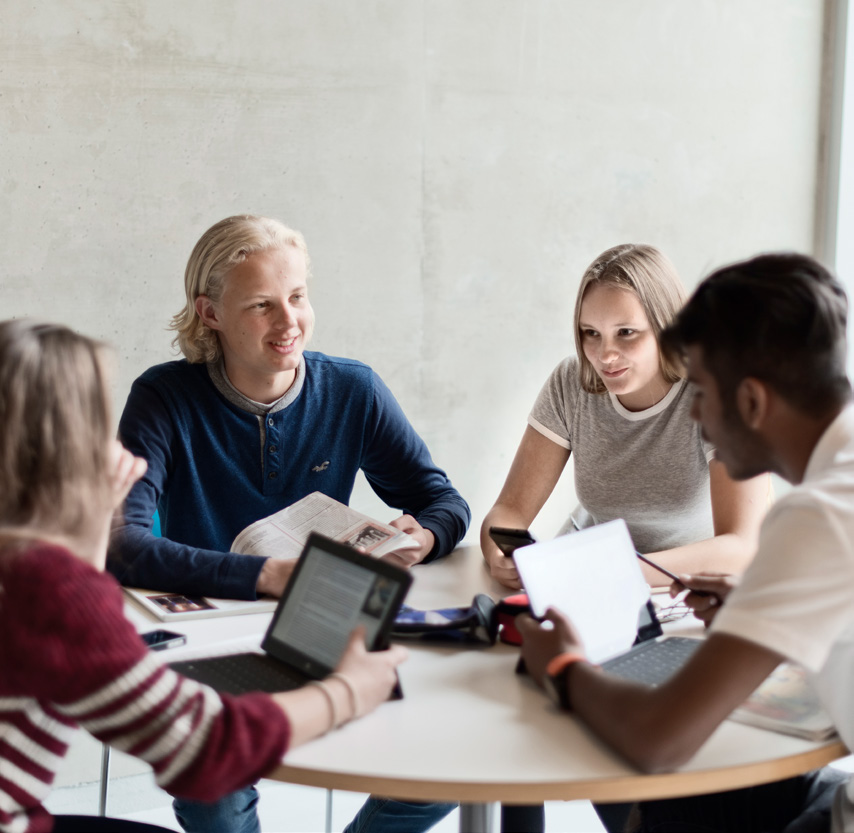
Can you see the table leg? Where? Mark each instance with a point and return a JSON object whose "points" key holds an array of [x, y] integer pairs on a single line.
{"points": [[476, 818], [105, 779], [328, 827]]}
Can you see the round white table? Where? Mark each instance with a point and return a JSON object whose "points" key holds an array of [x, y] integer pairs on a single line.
{"points": [[471, 730]]}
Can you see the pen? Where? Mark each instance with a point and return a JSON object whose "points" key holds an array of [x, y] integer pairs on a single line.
{"points": [[668, 573]]}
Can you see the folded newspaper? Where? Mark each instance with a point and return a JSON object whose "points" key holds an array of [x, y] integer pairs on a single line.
{"points": [[281, 535]]}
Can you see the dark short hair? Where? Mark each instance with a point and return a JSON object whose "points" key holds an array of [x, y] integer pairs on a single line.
{"points": [[779, 318]]}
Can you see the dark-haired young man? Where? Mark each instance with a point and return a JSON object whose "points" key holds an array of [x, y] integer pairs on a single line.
{"points": [[764, 346]]}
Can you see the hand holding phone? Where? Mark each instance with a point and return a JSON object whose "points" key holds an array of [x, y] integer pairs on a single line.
{"points": [[508, 540]]}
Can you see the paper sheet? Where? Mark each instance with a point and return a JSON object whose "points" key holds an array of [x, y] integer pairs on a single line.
{"points": [[592, 576]]}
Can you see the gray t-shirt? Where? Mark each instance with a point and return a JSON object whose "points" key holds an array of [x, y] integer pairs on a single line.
{"points": [[649, 467]]}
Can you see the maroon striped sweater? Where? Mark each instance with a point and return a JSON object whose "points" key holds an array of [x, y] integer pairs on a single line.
{"points": [[69, 659]]}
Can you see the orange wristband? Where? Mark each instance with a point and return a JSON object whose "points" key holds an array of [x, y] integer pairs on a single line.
{"points": [[563, 661]]}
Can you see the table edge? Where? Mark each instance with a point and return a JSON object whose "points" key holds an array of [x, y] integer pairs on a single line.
{"points": [[632, 787]]}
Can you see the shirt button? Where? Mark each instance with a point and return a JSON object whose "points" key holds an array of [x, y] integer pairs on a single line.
{"points": [[270, 422], [272, 449], [273, 475]]}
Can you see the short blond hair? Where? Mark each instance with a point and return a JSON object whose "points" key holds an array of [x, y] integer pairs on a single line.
{"points": [[223, 246], [56, 430], [651, 275]]}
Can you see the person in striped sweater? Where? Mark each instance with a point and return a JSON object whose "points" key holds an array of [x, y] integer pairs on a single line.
{"points": [[68, 657]]}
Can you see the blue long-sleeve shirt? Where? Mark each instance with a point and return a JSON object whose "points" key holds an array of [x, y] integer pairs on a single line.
{"points": [[215, 467]]}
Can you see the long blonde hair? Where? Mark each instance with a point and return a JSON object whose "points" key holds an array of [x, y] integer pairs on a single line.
{"points": [[55, 429], [648, 273], [219, 250]]}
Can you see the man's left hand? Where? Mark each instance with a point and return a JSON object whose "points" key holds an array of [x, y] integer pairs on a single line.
{"points": [[425, 538], [540, 644]]}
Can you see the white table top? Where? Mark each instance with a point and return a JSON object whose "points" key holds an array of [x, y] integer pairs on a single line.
{"points": [[469, 729]]}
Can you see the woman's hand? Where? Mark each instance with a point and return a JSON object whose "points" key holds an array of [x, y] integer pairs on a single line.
{"points": [[373, 674], [361, 682], [125, 470], [502, 567], [536, 470]]}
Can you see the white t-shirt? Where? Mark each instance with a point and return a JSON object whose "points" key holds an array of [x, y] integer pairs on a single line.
{"points": [[649, 467], [797, 595]]}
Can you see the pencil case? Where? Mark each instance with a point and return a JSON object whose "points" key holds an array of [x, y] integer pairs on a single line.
{"points": [[475, 623], [505, 614]]}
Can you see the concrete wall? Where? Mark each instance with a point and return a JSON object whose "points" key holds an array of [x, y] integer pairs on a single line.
{"points": [[454, 165]]}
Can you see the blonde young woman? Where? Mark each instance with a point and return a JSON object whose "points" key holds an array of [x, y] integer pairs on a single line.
{"points": [[68, 658], [623, 412]]}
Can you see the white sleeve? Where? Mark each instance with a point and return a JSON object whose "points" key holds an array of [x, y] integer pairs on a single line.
{"points": [[553, 410], [797, 595]]}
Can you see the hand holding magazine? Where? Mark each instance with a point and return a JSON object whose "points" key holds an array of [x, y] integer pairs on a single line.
{"points": [[281, 535], [284, 534]]}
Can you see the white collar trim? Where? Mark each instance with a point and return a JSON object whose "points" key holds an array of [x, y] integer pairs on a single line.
{"points": [[661, 405]]}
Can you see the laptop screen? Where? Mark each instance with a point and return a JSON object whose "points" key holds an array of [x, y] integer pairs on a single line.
{"points": [[333, 590]]}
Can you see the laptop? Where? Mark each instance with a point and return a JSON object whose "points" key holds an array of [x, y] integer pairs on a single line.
{"points": [[594, 577], [653, 658], [333, 589]]}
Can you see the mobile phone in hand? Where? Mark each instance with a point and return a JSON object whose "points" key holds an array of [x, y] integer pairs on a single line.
{"points": [[160, 640], [509, 540]]}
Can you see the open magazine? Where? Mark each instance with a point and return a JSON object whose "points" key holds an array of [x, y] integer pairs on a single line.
{"points": [[284, 534], [786, 703], [281, 535], [175, 607]]}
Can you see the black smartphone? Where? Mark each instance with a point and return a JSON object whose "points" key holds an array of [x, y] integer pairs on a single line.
{"points": [[509, 540], [161, 640]]}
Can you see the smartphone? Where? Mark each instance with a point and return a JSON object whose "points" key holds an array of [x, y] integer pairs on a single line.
{"points": [[161, 640], [509, 540]]}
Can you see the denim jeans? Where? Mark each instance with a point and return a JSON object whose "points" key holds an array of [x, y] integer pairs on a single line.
{"points": [[528, 818], [796, 805], [237, 813], [234, 813], [102, 824], [385, 815]]}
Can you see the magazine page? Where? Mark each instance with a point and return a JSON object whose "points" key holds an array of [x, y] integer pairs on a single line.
{"points": [[786, 703], [283, 534], [178, 606]]}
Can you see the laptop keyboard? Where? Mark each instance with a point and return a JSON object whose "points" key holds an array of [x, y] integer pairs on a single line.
{"points": [[241, 673], [653, 662]]}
